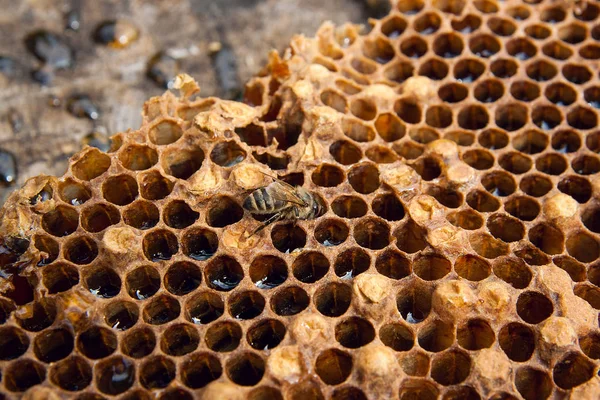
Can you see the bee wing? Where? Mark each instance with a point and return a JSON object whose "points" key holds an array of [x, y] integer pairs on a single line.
{"points": [[285, 192]]}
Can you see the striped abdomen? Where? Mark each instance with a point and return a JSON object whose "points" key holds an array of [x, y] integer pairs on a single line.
{"points": [[261, 202]]}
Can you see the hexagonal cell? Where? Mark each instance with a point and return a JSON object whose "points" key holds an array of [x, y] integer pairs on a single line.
{"points": [[223, 336], [414, 303], [161, 310], [482, 201], [120, 190], [521, 48], [589, 293], [381, 155], [141, 215], [48, 248], [478, 159], [413, 47], [333, 299], [534, 307], [204, 308], [178, 215], [138, 343], [431, 267], [252, 135], [345, 152], [535, 185], [473, 117], [73, 192], [438, 116], [114, 375], [436, 336], [138, 157], [418, 389], [333, 366], [503, 68], [59, 277], [81, 250], [573, 370], [499, 183], [408, 110], [223, 273], [399, 72], [310, 267], [466, 219], [575, 269], [468, 24], [266, 334], [288, 237], [408, 150], [289, 301], [389, 127], [99, 216], [524, 91], [363, 66], [62, 221], [577, 187], [434, 69], [513, 271], [492, 139], [511, 116], [348, 392], [501, 26], [453, 93], [397, 336], [246, 305], [227, 154], [176, 394], [590, 345], [351, 263], [91, 165], [13, 343], [393, 27], [354, 332], [73, 374], [547, 238], [484, 45], [576, 74], [327, 175], [331, 232], [143, 282], [182, 163], [468, 70], [188, 113], [200, 244], [160, 245], [592, 96], [448, 45], [475, 334], [245, 369], [582, 118], [96, 342], [537, 31], [489, 91], [180, 339], [533, 383], [357, 131], [487, 246], [583, 247], [200, 369], [472, 267], [23, 374], [121, 315], [515, 162], [427, 23], [40, 315], [165, 132], [182, 278], [450, 367], [428, 168], [154, 186], [449, 6]]}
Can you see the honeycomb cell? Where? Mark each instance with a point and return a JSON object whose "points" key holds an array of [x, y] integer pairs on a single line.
{"points": [[333, 366], [59, 277], [493, 139], [489, 91], [120, 190], [183, 163], [575, 269], [504, 68], [348, 392], [254, 135], [410, 237], [428, 168], [484, 45], [573, 370], [95, 343], [534, 307], [537, 31], [521, 48], [577, 187], [541, 71], [200, 369], [13, 343], [389, 127], [114, 375], [51, 345], [397, 336], [424, 135], [468, 24], [582, 118], [157, 372], [332, 299], [487, 246], [589, 293], [393, 27], [160, 245], [434, 69], [40, 315], [23, 374], [413, 47], [363, 66], [523, 208], [409, 150], [499, 183], [513, 271], [74, 192], [81, 250], [427, 23], [453, 93], [438, 117], [200, 244], [351, 263], [138, 343], [154, 186], [381, 155], [418, 389], [266, 334], [331, 232], [345, 152], [62, 221], [142, 282], [590, 345], [398, 72], [245, 369], [310, 267], [586, 165], [450, 367], [466, 219], [473, 117], [533, 383], [378, 50], [547, 238], [327, 175], [479, 159], [176, 394], [121, 315], [224, 211], [223, 273], [501, 26], [482, 201], [583, 247], [204, 308], [592, 96], [91, 165], [517, 341], [165, 132], [557, 50], [524, 91], [535, 185], [512, 116], [179, 215], [227, 154], [576, 74], [246, 305], [72, 374], [472, 268], [223, 336], [137, 157], [354, 332], [448, 45], [431, 267], [372, 233], [475, 334], [515, 162], [468, 70], [436, 336], [290, 300], [566, 141], [99, 216], [408, 110]]}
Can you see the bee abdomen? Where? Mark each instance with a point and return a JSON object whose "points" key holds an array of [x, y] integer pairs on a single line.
{"points": [[259, 201]]}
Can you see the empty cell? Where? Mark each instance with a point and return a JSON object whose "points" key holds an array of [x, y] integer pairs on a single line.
{"points": [[103, 282], [227, 154], [23, 374], [204, 307], [13, 343], [114, 375], [245, 369], [59, 277], [410, 237], [573, 370], [427, 23], [537, 31], [223, 336], [418, 389], [575, 269], [333, 366], [271, 160], [590, 345], [489, 91], [504, 68], [138, 157], [354, 332], [492, 139], [413, 47], [160, 245], [254, 135], [121, 315], [524, 91], [484, 45], [517, 341], [138, 343], [592, 96], [397, 336], [446, 196], [468, 70], [532, 383], [557, 50], [399, 71], [431, 267], [40, 315], [468, 24], [511, 116], [200, 244], [566, 141], [372, 233], [572, 33], [409, 150], [448, 45], [287, 237], [590, 52], [90, 165], [551, 164], [434, 69], [99, 216], [142, 215], [389, 127], [348, 392], [332, 299], [414, 303], [165, 132], [61, 221], [534, 307], [589, 293], [450, 367], [154, 186], [453, 93], [223, 273], [473, 117], [521, 48], [72, 374], [81, 250], [475, 334], [582, 118], [523, 208], [224, 211], [424, 135], [142, 282], [553, 14], [577, 187], [501, 26], [487, 246], [74, 192], [438, 117], [246, 305], [291, 300], [482, 201], [541, 71], [379, 50], [436, 336], [331, 232], [120, 190], [266, 334], [363, 66], [351, 263], [364, 178], [380, 155], [583, 247], [466, 219], [472, 267], [428, 168], [327, 175], [499, 183], [180, 339], [577, 74], [478, 159], [200, 369], [408, 110], [329, 98], [183, 163], [95, 343], [393, 27], [535, 185], [310, 267]]}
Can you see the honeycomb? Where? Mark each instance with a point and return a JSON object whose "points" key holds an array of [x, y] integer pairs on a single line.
{"points": [[454, 144]]}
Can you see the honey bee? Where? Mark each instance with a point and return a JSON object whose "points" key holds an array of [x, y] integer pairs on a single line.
{"points": [[283, 200]]}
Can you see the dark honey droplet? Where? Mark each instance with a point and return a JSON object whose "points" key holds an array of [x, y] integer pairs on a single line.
{"points": [[97, 140], [8, 168], [82, 106], [162, 70], [117, 34], [50, 49]]}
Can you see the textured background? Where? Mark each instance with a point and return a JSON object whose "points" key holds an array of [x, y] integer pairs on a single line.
{"points": [[42, 137]]}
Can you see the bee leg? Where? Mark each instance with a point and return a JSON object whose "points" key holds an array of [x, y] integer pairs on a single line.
{"points": [[266, 223]]}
